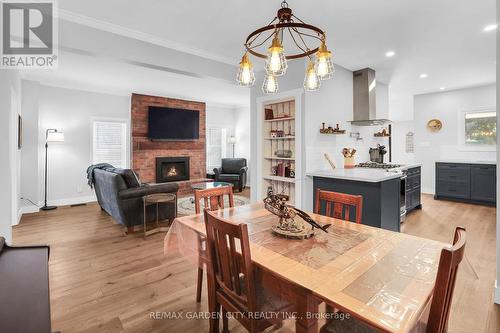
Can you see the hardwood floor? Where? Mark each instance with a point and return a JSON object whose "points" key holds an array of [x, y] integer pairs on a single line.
{"points": [[104, 281]]}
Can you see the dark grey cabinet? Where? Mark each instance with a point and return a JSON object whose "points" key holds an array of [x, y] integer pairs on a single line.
{"points": [[413, 192], [475, 183], [483, 183]]}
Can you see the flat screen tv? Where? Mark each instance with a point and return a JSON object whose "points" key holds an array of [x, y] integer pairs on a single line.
{"points": [[173, 124]]}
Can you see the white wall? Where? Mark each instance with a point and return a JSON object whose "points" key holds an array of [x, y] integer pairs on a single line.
{"points": [[72, 112], [242, 134], [10, 86], [399, 131], [446, 106]]}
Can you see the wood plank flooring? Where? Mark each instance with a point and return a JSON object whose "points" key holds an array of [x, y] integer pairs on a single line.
{"points": [[104, 281]]}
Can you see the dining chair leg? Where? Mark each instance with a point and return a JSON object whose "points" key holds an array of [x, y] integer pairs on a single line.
{"points": [[200, 283], [225, 323]]}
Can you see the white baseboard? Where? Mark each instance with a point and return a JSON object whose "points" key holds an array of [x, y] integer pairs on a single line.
{"points": [[72, 201], [428, 190], [26, 210], [496, 297], [57, 202]]}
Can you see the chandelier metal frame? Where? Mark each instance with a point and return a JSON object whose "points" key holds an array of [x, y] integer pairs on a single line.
{"points": [[285, 21]]}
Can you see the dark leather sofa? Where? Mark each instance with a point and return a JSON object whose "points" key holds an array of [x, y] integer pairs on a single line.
{"points": [[234, 171], [120, 192]]}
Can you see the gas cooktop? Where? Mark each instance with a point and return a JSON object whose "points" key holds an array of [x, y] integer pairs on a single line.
{"points": [[376, 165]]}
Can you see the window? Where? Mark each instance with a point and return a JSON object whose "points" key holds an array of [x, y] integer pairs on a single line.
{"points": [[478, 130], [109, 143], [216, 146]]}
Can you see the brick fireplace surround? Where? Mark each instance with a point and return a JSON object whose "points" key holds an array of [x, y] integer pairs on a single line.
{"points": [[145, 151]]}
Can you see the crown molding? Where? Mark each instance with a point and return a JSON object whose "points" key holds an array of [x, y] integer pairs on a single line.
{"points": [[145, 37]]}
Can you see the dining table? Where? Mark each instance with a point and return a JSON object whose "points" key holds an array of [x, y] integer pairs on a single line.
{"points": [[383, 278]]}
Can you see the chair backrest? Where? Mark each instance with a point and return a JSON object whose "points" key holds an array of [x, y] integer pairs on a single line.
{"points": [[233, 165], [342, 204], [445, 283], [213, 198], [231, 265]]}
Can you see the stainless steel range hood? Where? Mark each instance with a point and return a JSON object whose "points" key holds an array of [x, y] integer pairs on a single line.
{"points": [[364, 99]]}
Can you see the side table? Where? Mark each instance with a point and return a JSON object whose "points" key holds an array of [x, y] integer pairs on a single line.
{"points": [[156, 199]]}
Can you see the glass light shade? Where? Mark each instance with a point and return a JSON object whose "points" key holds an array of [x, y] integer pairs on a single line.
{"points": [[311, 81], [324, 65], [276, 62], [231, 140], [55, 137], [246, 76], [270, 85]]}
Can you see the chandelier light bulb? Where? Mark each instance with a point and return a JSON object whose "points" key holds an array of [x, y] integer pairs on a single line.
{"points": [[270, 85], [276, 62], [324, 65], [246, 76], [311, 81]]}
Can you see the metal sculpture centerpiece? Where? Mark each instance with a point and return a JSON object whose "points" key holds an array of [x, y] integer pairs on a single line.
{"points": [[291, 220], [286, 28]]}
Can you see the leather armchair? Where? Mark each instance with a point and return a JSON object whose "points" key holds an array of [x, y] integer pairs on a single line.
{"points": [[234, 171]]}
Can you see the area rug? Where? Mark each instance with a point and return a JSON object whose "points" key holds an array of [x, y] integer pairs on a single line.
{"points": [[185, 206]]}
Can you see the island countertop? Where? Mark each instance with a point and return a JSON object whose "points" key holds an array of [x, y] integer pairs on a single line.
{"points": [[357, 174], [466, 162]]}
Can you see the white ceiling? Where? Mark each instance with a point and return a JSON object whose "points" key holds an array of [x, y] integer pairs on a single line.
{"points": [[442, 38], [112, 76]]}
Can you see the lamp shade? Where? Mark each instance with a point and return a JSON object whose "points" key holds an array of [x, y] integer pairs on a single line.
{"points": [[231, 140], [55, 137]]}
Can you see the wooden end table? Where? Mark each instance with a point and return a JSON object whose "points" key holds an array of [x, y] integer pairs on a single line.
{"points": [[156, 199]]}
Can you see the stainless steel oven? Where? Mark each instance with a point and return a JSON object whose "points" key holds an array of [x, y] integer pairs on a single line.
{"points": [[402, 196]]}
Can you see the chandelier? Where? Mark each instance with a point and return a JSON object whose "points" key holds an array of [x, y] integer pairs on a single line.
{"points": [[286, 26]]}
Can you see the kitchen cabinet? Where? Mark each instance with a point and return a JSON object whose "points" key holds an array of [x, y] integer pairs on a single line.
{"points": [[413, 191], [483, 183], [467, 182]]}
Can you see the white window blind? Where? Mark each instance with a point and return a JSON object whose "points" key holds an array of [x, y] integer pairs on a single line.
{"points": [[110, 143], [216, 146]]}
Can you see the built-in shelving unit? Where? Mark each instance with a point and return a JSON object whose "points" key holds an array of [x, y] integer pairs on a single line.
{"points": [[281, 134], [279, 172]]}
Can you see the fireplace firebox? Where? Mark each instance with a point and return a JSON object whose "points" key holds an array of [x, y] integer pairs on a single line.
{"points": [[172, 169]]}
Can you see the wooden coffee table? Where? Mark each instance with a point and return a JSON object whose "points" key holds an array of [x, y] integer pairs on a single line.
{"points": [[156, 199]]}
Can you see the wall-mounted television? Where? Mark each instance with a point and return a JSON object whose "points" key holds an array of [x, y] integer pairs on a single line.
{"points": [[173, 124]]}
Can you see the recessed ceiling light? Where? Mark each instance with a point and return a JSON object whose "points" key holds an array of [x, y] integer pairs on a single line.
{"points": [[390, 54], [442, 88], [423, 75], [490, 27]]}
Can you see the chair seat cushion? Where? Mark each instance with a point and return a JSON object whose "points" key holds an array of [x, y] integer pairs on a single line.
{"points": [[229, 177], [351, 325]]}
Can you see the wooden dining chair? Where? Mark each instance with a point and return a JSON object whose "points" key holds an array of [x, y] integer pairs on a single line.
{"points": [[441, 299], [445, 283], [342, 204], [213, 199], [232, 285]]}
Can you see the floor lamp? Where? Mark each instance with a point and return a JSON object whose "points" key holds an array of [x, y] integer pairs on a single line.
{"points": [[232, 141], [51, 135]]}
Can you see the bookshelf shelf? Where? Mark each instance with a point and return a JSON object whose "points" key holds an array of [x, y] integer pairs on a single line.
{"points": [[280, 179]]}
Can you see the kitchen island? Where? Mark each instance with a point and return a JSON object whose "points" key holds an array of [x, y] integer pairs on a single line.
{"points": [[381, 191]]}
